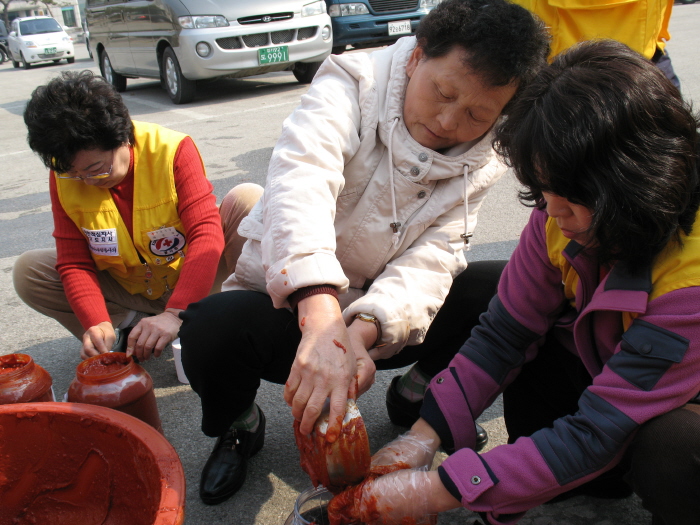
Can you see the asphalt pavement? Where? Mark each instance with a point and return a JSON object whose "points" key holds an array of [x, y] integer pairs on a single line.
{"points": [[235, 123]]}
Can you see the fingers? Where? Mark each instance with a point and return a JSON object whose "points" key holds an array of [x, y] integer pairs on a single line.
{"points": [[339, 399], [97, 340], [291, 387], [152, 334]]}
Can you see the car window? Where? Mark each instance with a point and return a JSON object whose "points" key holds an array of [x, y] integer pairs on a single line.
{"points": [[39, 26]]}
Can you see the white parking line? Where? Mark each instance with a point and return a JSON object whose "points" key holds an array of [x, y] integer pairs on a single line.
{"points": [[15, 153], [201, 117]]}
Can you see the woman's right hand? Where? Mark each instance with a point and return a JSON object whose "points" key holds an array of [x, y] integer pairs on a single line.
{"points": [[98, 339], [414, 449], [325, 365]]}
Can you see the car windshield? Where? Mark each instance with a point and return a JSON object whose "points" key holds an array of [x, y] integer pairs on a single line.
{"points": [[39, 26]]}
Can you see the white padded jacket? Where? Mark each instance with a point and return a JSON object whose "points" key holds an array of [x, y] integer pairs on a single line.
{"points": [[344, 169]]}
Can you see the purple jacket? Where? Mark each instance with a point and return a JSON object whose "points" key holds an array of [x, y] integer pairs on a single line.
{"points": [[638, 335]]}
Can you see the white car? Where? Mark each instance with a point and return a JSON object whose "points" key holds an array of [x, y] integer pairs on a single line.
{"points": [[38, 39]]}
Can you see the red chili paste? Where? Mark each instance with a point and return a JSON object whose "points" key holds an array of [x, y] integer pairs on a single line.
{"points": [[303, 321], [340, 345], [100, 367], [75, 471]]}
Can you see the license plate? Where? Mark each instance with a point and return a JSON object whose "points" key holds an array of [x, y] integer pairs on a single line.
{"points": [[402, 27], [49, 50], [272, 55]]}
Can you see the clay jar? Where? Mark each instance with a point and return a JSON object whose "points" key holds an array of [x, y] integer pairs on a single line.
{"points": [[23, 381], [115, 381]]}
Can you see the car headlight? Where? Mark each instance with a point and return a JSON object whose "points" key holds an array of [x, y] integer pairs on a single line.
{"points": [[29, 43], [202, 22], [428, 4], [348, 9], [66, 39], [314, 8]]}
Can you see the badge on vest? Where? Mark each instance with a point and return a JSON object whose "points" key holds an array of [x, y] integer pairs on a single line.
{"points": [[102, 242], [166, 241]]}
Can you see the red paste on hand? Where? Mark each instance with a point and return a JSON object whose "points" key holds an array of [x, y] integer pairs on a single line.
{"points": [[340, 345]]}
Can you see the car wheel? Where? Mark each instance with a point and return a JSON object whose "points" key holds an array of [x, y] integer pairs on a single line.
{"points": [[56, 61], [3, 56], [304, 72], [111, 76], [23, 61], [87, 44], [14, 62], [338, 50], [70, 60], [180, 89]]}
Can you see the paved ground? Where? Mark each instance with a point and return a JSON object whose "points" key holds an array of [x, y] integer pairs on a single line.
{"points": [[235, 123]]}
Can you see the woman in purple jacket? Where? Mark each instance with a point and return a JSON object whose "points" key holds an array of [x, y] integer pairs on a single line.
{"points": [[594, 336]]}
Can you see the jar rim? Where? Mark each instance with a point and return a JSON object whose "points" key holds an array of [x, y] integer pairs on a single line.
{"points": [[83, 370], [25, 362]]}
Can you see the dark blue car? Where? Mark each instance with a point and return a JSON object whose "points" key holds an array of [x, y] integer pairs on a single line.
{"points": [[369, 23]]}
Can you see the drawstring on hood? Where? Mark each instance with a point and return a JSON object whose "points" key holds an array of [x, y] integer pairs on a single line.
{"points": [[395, 225], [467, 232]]}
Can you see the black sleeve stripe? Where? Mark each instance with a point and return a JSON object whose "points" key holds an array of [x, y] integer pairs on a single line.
{"points": [[585, 442], [497, 344], [646, 353], [430, 411]]}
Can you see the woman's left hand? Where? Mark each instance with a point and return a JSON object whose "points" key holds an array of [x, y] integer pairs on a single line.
{"points": [[152, 334], [393, 499]]}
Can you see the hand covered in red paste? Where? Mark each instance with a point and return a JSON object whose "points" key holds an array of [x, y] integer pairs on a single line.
{"points": [[416, 448], [402, 497], [325, 366]]}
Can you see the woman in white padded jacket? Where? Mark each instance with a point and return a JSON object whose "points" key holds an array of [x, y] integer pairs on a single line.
{"points": [[356, 241]]}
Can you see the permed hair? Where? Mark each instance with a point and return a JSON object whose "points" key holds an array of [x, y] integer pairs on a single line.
{"points": [[604, 128], [504, 42], [73, 112]]}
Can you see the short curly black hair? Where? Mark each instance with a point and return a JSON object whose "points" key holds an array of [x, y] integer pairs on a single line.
{"points": [[73, 112], [504, 42], [604, 128]]}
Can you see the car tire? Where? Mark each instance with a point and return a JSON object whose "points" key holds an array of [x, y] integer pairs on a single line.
{"points": [[15, 64], [181, 90], [23, 61], [3, 56], [56, 61], [304, 72], [338, 50], [111, 76], [71, 60]]}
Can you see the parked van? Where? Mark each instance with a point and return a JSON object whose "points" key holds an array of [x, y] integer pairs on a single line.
{"points": [[182, 41], [369, 23]]}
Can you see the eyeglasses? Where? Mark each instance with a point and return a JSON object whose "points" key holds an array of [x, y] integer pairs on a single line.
{"points": [[103, 175]]}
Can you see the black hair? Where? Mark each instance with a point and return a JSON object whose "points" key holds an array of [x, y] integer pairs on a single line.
{"points": [[504, 42], [604, 128], [73, 112]]}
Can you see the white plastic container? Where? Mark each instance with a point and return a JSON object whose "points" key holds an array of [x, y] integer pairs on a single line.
{"points": [[177, 350]]}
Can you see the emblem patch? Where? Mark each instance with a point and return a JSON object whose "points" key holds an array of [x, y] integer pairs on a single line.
{"points": [[169, 244]]}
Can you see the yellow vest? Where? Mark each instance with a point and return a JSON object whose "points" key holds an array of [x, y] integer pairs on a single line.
{"points": [[150, 263], [674, 268], [641, 24]]}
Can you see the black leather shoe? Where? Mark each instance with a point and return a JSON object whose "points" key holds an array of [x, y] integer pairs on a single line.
{"points": [[226, 467], [403, 413]]}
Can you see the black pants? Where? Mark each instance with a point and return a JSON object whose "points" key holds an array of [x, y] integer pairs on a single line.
{"points": [[232, 340], [662, 463]]}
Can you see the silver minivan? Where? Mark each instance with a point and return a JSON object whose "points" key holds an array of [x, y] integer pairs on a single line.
{"points": [[182, 41]]}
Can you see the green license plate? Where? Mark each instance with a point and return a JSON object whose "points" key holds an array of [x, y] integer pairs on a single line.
{"points": [[49, 50], [272, 55]]}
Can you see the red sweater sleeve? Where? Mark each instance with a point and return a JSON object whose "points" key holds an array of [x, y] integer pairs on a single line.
{"points": [[75, 265], [200, 217]]}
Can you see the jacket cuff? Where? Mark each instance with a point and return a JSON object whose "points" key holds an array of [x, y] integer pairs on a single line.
{"points": [[430, 411], [308, 291], [449, 484]]}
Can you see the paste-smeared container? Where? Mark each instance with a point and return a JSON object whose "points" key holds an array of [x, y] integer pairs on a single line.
{"points": [[115, 381], [23, 381]]}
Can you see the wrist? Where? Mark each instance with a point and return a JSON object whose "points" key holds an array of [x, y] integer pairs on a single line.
{"points": [[175, 312], [370, 320]]}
